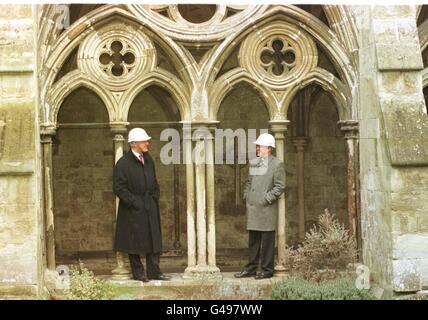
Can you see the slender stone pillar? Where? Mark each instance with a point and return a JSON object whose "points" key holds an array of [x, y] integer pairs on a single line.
{"points": [[190, 198], [201, 222], [300, 144], [203, 157], [350, 128], [278, 128], [121, 272], [209, 143], [177, 243], [46, 136]]}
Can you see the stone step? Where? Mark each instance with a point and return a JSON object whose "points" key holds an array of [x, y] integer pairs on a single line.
{"points": [[422, 293], [179, 288]]}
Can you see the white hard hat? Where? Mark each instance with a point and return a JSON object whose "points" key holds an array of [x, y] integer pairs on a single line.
{"points": [[138, 134], [265, 139]]}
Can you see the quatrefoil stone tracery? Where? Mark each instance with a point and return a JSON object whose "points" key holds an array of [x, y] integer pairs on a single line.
{"points": [[116, 55], [117, 58], [278, 57]]}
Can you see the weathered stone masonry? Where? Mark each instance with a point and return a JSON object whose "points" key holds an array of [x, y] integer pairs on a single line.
{"points": [[21, 224], [343, 96]]}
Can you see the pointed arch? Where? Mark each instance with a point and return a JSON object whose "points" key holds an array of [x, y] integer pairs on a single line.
{"points": [[74, 35], [68, 84], [228, 81], [330, 84], [341, 22], [163, 80], [318, 30]]}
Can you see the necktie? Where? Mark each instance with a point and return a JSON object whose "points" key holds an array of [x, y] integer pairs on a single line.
{"points": [[141, 159]]}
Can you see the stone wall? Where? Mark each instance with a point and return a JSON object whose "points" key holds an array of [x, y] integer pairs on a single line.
{"points": [[84, 204], [325, 164], [409, 212], [21, 223], [324, 169], [393, 130]]}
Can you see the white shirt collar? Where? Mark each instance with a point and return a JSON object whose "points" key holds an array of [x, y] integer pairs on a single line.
{"points": [[136, 154]]}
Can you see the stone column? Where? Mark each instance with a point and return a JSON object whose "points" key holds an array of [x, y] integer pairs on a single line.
{"points": [[209, 143], [278, 128], [201, 223], [177, 244], [121, 272], [300, 144], [205, 203], [46, 137], [350, 129], [190, 198]]}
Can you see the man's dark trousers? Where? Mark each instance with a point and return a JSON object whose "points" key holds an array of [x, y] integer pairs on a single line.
{"points": [[261, 245], [152, 263]]}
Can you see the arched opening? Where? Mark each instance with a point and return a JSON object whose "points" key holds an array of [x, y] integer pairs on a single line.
{"points": [[154, 110], [84, 203], [195, 13], [316, 10], [242, 108], [315, 157]]}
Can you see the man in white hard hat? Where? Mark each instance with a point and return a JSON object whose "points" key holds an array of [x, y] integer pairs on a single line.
{"points": [[138, 227], [266, 182]]}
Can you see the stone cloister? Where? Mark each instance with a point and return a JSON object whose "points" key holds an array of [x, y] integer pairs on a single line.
{"points": [[188, 76], [343, 100]]}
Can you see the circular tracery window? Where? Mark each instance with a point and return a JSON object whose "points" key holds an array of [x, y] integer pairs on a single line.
{"points": [[278, 54], [116, 58], [197, 13], [116, 55]]}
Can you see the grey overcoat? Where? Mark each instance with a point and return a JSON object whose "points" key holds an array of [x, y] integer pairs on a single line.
{"points": [[266, 182]]}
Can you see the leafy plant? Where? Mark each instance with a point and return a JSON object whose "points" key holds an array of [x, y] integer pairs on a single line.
{"points": [[85, 286], [326, 249], [342, 288]]}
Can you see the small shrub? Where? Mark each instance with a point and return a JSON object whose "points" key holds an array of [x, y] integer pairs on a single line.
{"points": [[342, 288], [85, 286], [295, 289], [328, 247]]}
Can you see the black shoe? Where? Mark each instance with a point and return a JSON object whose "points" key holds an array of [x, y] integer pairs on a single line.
{"points": [[263, 275], [244, 274], [161, 277], [142, 278]]}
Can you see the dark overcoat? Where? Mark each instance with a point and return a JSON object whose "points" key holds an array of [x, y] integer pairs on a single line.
{"points": [[138, 227]]}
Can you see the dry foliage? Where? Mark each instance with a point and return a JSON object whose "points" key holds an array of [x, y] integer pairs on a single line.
{"points": [[327, 249]]}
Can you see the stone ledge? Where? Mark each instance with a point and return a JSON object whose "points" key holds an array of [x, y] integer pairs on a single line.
{"points": [[178, 287], [18, 291], [16, 168], [13, 69]]}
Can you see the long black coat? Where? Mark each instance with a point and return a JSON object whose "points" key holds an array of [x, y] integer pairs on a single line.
{"points": [[138, 228]]}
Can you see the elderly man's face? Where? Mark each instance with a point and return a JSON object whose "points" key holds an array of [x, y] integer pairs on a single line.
{"points": [[262, 151], [140, 146]]}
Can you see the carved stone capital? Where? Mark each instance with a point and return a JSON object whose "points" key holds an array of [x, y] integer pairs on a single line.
{"points": [[119, 127], [350, 128], [47, 132], [278, 128], [300, 143]]}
